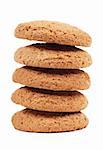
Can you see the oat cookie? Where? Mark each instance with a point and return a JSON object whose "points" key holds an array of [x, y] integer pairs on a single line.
{"points": [[35, 121], [52, 79], [52, 56], [53, 32], [52, 101]]}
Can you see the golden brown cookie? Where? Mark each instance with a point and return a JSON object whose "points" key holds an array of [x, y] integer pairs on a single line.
{"points": [[35, 121], [53, 32], [52, 56], [44, 100], [52, 79]]}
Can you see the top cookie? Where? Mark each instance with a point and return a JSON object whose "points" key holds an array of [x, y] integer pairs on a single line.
{"points": [[53, 32]]}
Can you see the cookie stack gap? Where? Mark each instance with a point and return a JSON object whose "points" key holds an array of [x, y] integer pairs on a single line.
{"points": [[51, 77]]}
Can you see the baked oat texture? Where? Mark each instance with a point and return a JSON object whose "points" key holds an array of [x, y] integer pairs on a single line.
{"points": [[52, 79], [52, 56], [53, 32], [44, 100], [35, 121]]}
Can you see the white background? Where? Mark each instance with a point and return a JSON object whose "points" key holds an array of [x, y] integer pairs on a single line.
{"points": [[86, 14]]}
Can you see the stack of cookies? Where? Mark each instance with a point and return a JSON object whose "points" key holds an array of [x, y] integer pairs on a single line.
{"points": [[51, 76]]}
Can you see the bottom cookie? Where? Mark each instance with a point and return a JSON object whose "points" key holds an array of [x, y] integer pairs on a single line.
{"points": [[36, 121]]}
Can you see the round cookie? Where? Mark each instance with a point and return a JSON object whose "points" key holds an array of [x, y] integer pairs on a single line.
{"points": [[35, 121], [53, 56], [53, 32], [44, 100], [52, 79]]}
